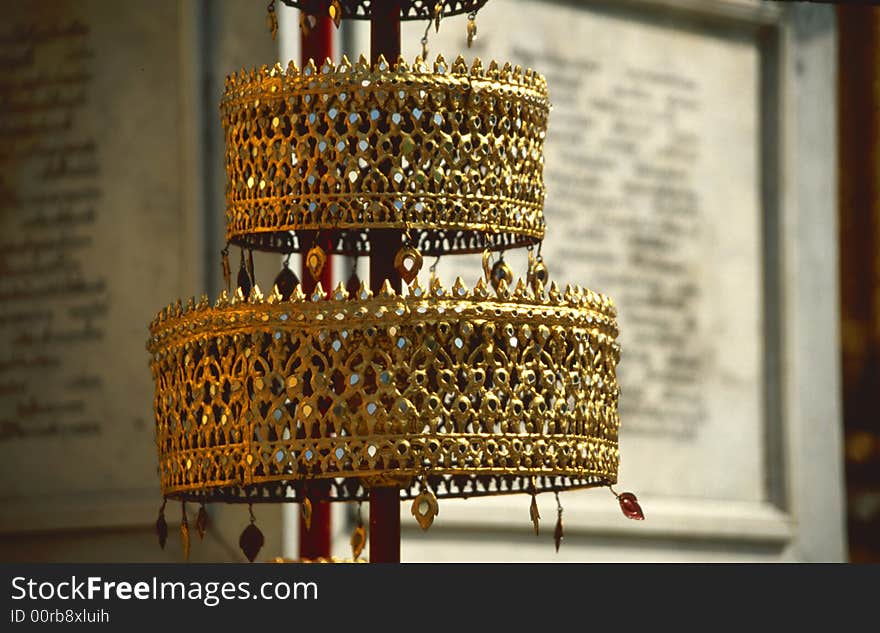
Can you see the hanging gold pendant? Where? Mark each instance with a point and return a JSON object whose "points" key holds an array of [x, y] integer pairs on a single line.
{"points": [[558, 533], [335, 12], [184, 534], [471, 31], [272, 21], [358, 540], [304, 25], [500, 271], [315, 260], [533, 512], [538, 275], [425, 508], [306, 509], [487, 265], [408, 263], [202, 522]]}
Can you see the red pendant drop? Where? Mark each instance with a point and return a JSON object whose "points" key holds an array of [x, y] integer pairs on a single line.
{"points": [[630, 506]]}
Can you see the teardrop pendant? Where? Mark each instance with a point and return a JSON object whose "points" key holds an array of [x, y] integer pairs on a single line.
{"points": [[202, 522], [244, 279], [425, 508], [286, 282], [538, 275], [408, 262], [251, 539], [358, 536], [353, 285], [315, 260], [534, 514], [630, 507], [500, 271]]}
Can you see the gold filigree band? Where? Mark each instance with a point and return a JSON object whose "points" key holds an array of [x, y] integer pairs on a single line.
{"points": [[452, 153], [409, 9], [483, 392]]}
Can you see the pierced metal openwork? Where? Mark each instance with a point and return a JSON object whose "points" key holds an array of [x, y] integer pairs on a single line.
{"points": [[450, 152]]}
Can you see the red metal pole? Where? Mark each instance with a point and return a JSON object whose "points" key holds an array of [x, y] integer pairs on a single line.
{"points": [[314, 542], [384, 244]]}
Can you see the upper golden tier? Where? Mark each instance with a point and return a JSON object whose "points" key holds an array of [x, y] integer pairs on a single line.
{"points": [[451, 153], [482, 392]]}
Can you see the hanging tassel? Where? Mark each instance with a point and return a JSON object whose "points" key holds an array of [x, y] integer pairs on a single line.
{"points": [[251, 539], [202, 522], [558, 533], [162, 526], [184, 532], [534, 514], [629, 505], [358, 536], [306, 509]]}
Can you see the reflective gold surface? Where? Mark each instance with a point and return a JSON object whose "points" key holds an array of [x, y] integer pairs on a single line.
{"points": [[480, 391], [451, 152]]}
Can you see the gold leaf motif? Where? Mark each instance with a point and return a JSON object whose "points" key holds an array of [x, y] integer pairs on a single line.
{"points": [[425, 508], [328, 358], [408, 262]]}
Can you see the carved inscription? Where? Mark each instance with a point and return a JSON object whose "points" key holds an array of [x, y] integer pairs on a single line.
{"points": [[622, 206], [53, 301]]}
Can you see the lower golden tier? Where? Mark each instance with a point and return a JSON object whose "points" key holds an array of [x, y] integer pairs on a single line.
{"points": [[477, 392]]}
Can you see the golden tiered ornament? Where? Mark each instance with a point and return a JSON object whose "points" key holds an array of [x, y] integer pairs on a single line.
{"points": [[421, 392]]}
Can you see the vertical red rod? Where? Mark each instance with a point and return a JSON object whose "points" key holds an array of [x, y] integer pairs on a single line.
{"points": [[315, 541], [384, 244]]}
